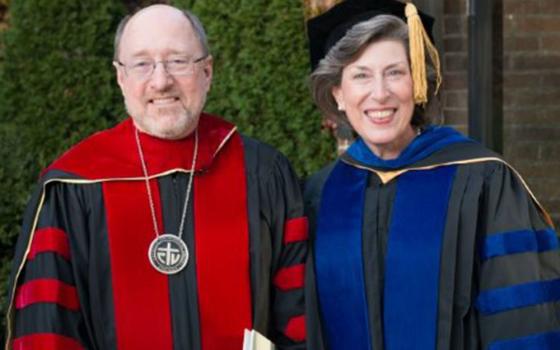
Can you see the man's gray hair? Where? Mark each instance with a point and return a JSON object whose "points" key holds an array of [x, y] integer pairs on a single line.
{"points": [[328, 73], [192, 18]]}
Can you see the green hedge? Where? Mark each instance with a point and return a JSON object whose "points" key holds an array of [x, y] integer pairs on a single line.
{"points": [[57, 86], [261, 68]]}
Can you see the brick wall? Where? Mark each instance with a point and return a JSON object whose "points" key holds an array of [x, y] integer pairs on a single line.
{"points": [[531, 73], [455, 80], [532, 95]]}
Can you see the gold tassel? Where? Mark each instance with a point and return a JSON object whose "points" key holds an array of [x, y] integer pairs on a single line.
{"points": [[313, 8], [417, 39]]}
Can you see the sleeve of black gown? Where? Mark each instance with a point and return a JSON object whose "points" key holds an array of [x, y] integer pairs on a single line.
{"points": [[46, 301], [518, 294], [288, 231]]}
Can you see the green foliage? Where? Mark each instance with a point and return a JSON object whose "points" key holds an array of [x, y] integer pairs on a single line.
{"points": [[57, 86], [260, 75]]}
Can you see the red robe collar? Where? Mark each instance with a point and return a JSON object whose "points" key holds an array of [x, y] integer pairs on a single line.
{"points": [[113, 153]]}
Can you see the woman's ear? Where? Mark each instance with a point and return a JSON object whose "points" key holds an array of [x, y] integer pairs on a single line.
{"points": [[336, 91]]}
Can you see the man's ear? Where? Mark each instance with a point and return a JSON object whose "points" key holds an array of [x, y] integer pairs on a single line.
{"points": [[209, 66], [208, 70], [119, 70]]}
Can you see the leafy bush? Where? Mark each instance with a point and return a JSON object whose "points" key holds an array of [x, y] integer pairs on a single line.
{"points": [[261, 67]]}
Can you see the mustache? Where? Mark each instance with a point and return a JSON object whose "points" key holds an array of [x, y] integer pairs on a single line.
{"points": [[163, 96]]}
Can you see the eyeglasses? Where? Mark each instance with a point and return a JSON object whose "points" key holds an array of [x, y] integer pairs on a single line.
{"points": [[143, 69]]}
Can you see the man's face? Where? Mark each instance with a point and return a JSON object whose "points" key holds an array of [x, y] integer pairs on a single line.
{"points": [[163, 105]]}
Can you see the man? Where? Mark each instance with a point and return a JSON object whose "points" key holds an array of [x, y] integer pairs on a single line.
{"points": [[168, 231]]}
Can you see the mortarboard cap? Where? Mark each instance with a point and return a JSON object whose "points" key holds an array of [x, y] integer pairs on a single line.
{"points": [[325, 30]]}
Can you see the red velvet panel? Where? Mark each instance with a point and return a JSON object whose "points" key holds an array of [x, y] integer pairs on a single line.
{"points": [[295, 329], [47, 291], [290, 277], [295, 230], [49, 239], [45, 341], [222, 250], [141, 294]]}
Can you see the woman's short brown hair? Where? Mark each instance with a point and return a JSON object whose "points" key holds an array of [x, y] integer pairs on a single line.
{"points": [[328, 73]]}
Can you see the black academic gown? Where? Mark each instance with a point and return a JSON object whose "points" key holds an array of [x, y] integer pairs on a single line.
{"points": [[63, 285], [492, 241]]}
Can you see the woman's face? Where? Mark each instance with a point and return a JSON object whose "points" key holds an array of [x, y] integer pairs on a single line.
{"points": [[376, 94]]}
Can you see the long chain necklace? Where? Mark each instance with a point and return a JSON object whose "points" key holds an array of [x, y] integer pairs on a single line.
{"points": [[168, 253]]}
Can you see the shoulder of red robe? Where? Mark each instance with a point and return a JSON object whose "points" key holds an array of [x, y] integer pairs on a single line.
{"points": [[113, 154]]}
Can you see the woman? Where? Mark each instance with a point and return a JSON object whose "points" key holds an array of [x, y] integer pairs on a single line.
{"points": [[422, 238]]}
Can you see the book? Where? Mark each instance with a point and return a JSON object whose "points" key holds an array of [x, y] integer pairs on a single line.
{"points": [[253, 340]]}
